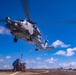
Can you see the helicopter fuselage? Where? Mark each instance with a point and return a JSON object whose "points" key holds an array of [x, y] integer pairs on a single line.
{"points": [[25, 30]]}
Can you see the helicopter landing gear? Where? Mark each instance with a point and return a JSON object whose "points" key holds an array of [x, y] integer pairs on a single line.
{"points": [[36, 49], [15, 39]]}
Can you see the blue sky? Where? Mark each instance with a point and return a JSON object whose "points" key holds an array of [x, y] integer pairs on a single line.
{"points": [[61, 36]]}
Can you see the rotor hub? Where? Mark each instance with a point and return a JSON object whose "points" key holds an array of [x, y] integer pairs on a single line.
{"points": [[31, 21]]}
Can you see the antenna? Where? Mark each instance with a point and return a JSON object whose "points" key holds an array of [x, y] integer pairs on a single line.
{"points": [[21, 56]]}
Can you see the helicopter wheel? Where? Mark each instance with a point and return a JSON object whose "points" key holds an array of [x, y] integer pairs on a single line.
{"points": [[36, 49], [15, 39]]}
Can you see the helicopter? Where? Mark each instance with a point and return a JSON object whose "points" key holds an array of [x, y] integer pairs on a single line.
{"points": [[26, 30]]}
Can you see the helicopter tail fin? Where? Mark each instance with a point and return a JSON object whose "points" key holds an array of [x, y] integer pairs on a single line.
{"points": [[46, 43], [44, 46], [48, 47]]}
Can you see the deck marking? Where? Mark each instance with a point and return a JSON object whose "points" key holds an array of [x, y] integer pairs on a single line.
{"points": [[45, 71], [14, 73]]}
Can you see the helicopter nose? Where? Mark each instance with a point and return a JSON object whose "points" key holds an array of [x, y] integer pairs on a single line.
{"points": [[7, 18]]}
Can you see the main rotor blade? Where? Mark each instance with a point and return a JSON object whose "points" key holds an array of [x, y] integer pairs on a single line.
{"points": [[25, 6], [1, 20], [62, 22]]}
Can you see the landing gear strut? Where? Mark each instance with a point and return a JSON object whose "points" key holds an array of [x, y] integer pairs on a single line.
{"points": [[15, 39]]}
